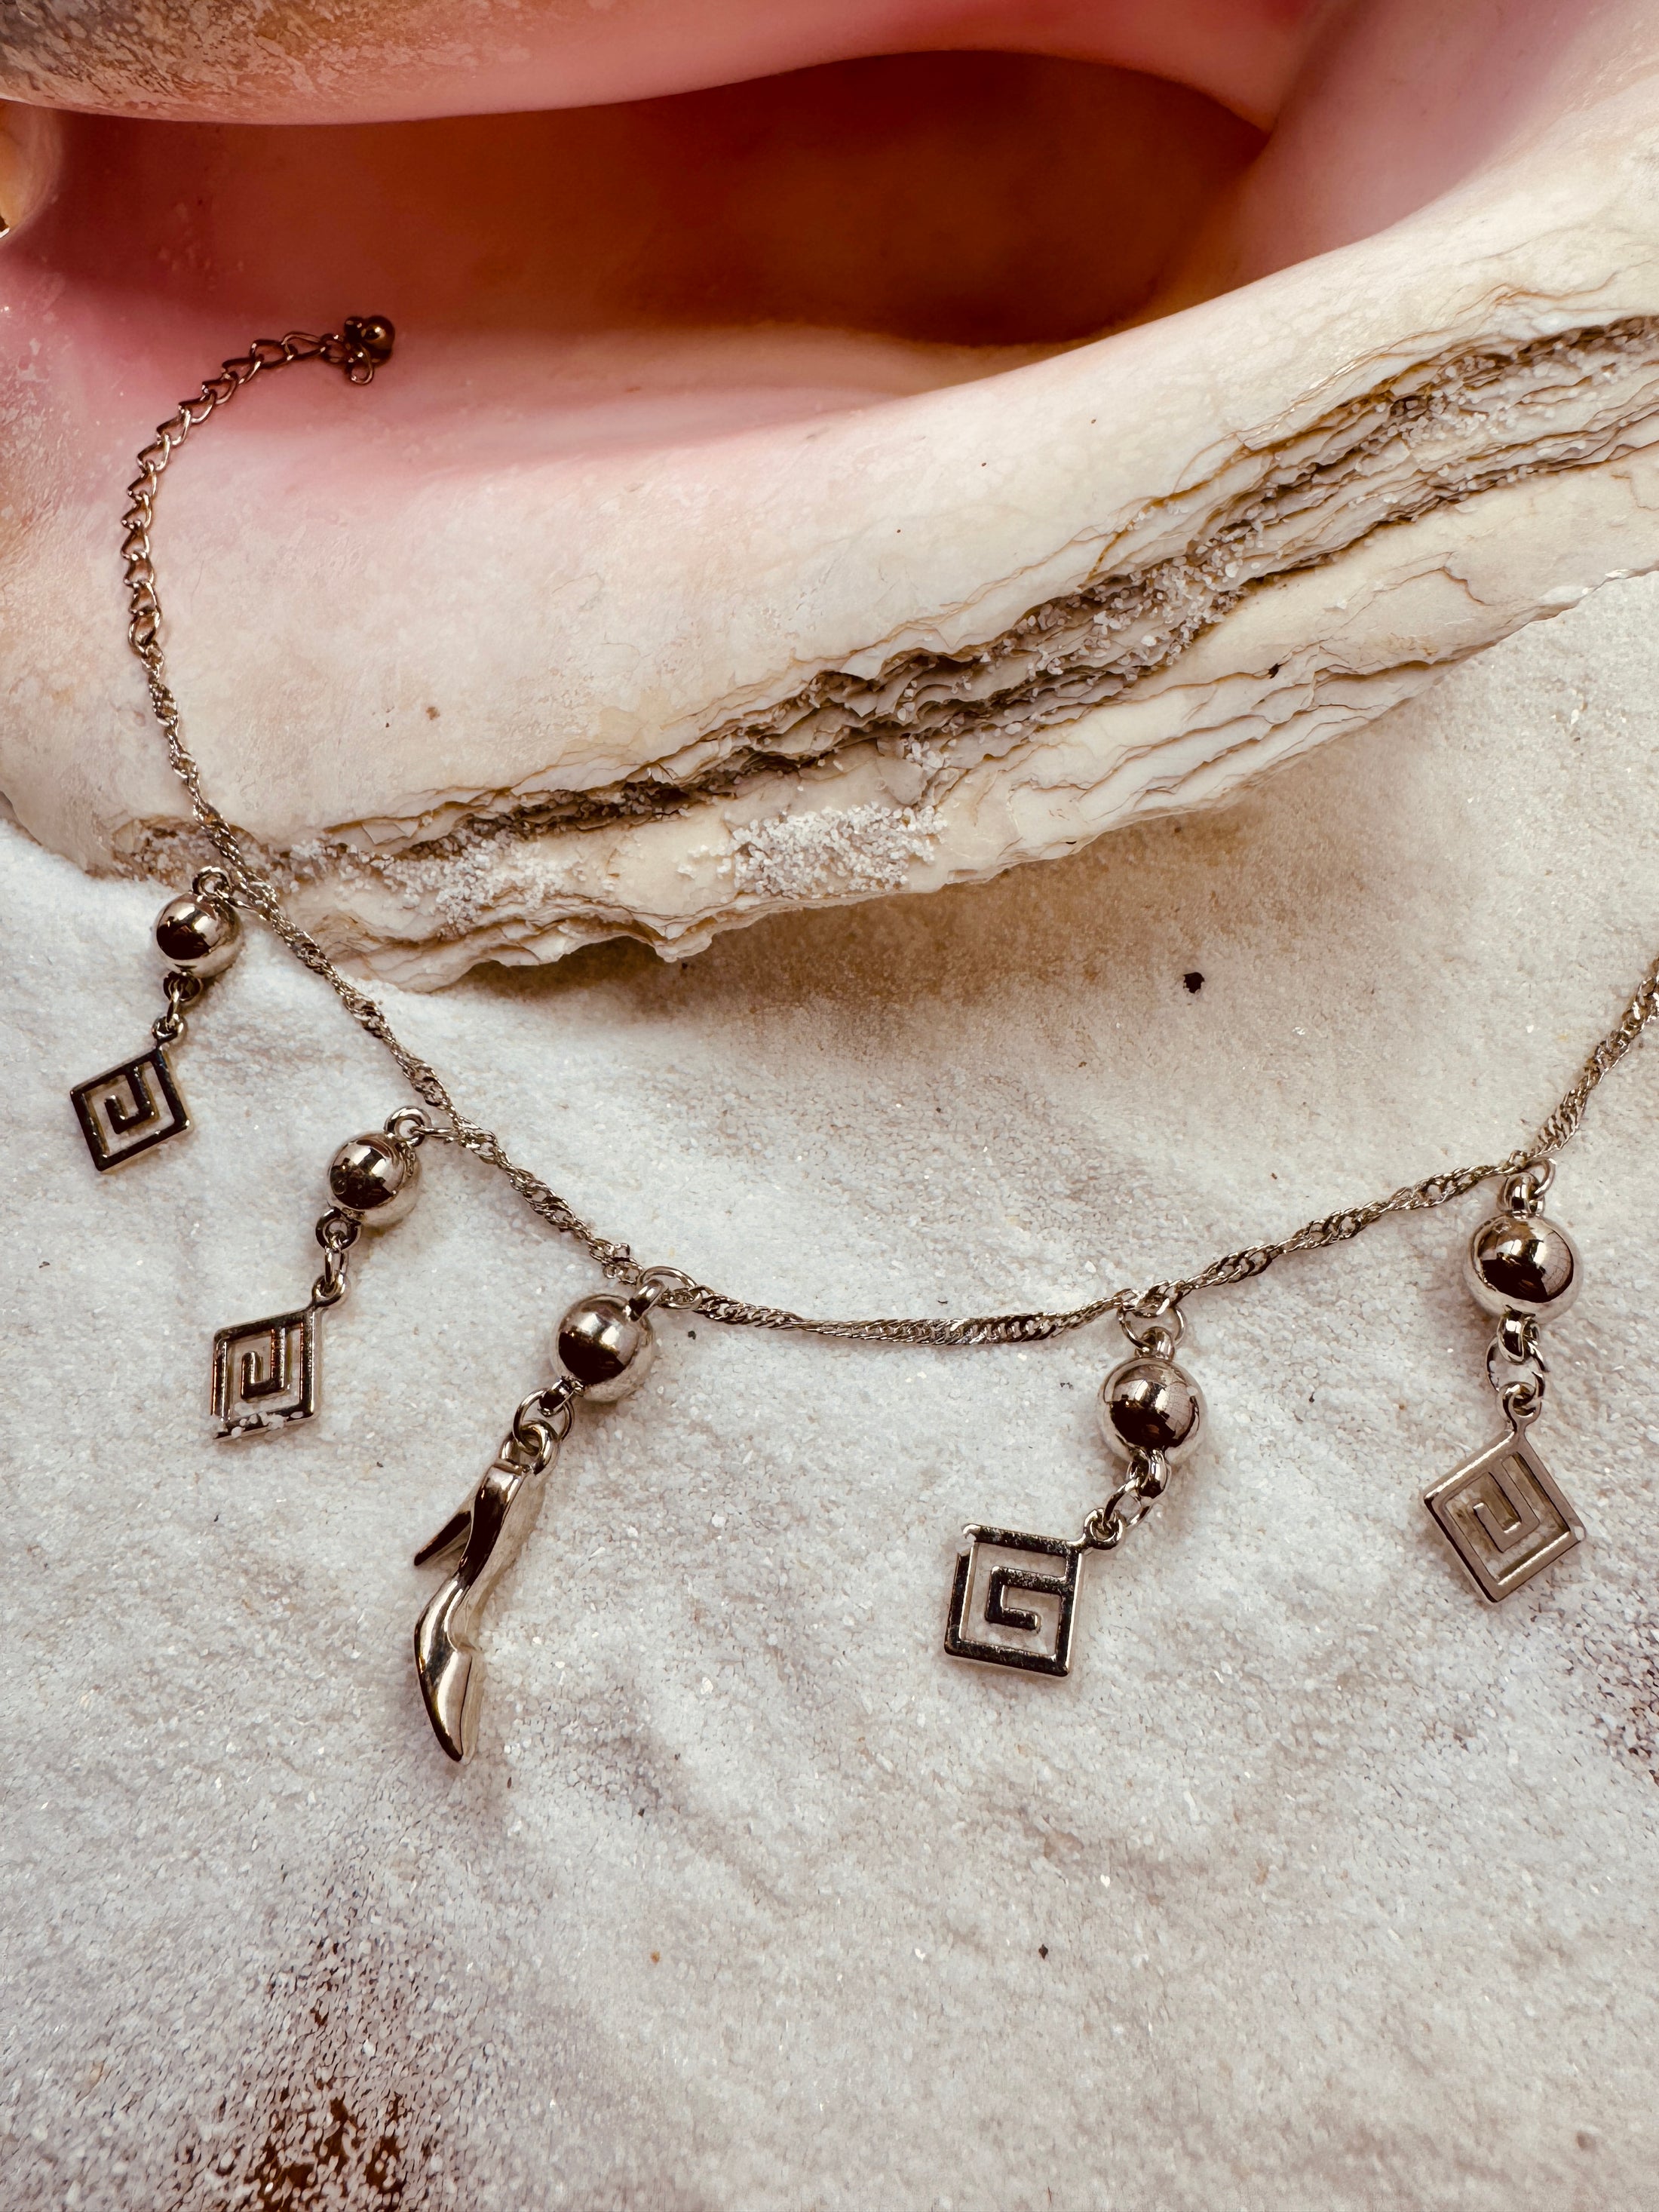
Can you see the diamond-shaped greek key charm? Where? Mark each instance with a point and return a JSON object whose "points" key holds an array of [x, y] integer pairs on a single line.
{"points": [[265, 1373], [129, 1109], [1009, 1607], [1503, 1516]]}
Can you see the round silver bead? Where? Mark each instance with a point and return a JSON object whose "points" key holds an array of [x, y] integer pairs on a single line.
{"points": [[374, 1179], [1151, 1405], [202, 936], [605, 1347], [1523, 1263]]}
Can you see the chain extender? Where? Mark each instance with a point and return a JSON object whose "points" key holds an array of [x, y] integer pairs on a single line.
{"points": [[363, 344]]}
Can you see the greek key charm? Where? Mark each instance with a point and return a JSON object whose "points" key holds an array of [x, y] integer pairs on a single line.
{"points": [[267, 1374], [605, 1345], [130, 1108], [1503, 1516], [1151, 1413], [1502, 1511], [983, 1625], [133, 1108]]}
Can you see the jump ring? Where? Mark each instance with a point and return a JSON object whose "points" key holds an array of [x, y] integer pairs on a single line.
{"points": [[1524, 1191], [1155, 1333], [1524, 1373], [410, 1126], [1517, 1339], [1523, 1402], [534, 1438], [558, 1404]]}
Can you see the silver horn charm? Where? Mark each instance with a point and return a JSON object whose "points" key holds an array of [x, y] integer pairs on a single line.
{"points": [[1502, 1511], [1151, 1415], [605, 1345], [488, 1531], [133, 1108]]}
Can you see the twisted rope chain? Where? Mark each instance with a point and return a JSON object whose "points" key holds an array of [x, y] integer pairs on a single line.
{"points": [[365, 343]]}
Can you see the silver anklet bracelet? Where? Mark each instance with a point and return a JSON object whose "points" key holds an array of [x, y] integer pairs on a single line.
{"points": [[1014, 1596]]}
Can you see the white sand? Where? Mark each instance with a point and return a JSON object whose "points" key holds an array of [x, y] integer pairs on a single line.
{"points": [[1346, 1881]]}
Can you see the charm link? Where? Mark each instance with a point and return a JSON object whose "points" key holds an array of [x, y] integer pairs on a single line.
{"points": [[267, 1374], [182, 990], [1151, 1415], [337, 1236], [605, 1345], [1503, 1512]]}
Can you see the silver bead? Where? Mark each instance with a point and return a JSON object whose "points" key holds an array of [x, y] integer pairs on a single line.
{"points": [[604, 1345], [1151, 1405], [202, 936], [1523, 1263], [374, 1179]]}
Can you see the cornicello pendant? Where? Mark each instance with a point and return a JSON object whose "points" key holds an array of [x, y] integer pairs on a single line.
{"points": [[1013, 1602], [1503, 1512], [131, 1108], [267, 1374], [605, 1345]]}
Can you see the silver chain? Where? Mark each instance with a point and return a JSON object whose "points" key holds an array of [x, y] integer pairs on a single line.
{"points": [[363, 344], [182, 990], [336, 1234]]}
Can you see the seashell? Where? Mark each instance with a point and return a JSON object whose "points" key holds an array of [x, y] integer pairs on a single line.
{"points": [[616, 609]]}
